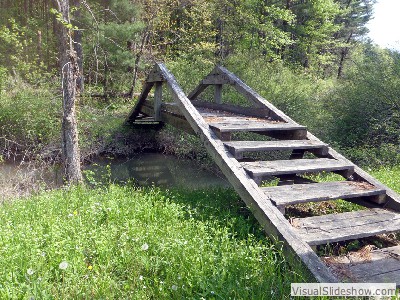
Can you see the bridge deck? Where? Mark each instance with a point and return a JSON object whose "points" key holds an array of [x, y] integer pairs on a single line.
{"points": [[227, 132]]}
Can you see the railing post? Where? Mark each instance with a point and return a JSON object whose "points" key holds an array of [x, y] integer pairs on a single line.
{"points": [[158, 101], [218, 93]]}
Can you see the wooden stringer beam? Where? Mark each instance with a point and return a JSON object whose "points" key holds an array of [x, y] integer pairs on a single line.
{"points": [[220, 76], [214, 122], [263, 209], [154, 78]]}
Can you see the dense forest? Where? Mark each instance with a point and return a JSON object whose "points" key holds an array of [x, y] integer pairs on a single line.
{"points": [[310, 58]]}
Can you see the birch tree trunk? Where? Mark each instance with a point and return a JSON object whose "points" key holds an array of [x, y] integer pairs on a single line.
{"points": [[70, 73], [78, 45]]}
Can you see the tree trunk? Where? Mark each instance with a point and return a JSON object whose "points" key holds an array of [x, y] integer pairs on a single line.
{"points": [[78, 45], [137, 61], [343, 55], [69, 72]]}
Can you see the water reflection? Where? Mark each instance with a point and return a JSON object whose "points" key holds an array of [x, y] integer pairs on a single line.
{"points": [[18, 179], [161, 170]]}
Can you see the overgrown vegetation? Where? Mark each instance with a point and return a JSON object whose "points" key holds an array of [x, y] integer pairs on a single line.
{"points": [[306, 57], [122, 242]]}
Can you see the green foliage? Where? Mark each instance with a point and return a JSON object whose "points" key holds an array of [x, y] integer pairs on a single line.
{"points": [[111, 45], [299, 95], [120, 242], [30, 117], [98, 124], [15, 45], [3, 79], [365, 107], [59, 18], [314, 32]]}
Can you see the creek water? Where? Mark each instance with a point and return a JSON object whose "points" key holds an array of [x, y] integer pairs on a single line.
{"points": [[144, 169], [160, 170]]}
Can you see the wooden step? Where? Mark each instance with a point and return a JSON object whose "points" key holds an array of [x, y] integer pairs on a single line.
{"points": [[243, 126], [260, 169], [368, 265], [238, 147], [346, 226], [299, 193]]}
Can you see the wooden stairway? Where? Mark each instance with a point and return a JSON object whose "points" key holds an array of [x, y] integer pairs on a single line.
{"points": [[233, 135]]}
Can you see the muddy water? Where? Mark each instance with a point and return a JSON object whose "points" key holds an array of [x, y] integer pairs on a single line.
{"points": [[160, 170], [145, 169]]}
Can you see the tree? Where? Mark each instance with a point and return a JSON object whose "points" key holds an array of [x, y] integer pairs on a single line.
{"points": [[69, 73], [357, 13], [313, 33]]}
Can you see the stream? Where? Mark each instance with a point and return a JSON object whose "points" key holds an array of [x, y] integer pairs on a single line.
{"points": [[144, 169]]}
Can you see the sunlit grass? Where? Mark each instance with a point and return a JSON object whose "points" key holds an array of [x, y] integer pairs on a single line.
{"points": [[389, 176], [125, 243]]}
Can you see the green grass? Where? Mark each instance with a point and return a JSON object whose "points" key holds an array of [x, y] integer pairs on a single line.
{"points": [[122, 242], [126, 243], [389, 176]]}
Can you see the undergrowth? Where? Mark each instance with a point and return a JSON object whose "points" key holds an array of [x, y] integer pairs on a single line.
{"points": [[119, 242]]}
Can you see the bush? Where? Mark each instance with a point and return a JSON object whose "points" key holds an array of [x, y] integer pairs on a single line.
{"points": [[366, 105], [29, 117]]}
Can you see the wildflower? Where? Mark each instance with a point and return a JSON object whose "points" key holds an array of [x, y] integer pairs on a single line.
{"points": [[90, 267], [145, 247], [30, 271], [174, 287], [63, 265], [141, 277], [75, 212]]}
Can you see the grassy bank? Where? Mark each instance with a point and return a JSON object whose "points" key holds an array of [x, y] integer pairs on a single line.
{"points": [[122, 242], [126, 243]]}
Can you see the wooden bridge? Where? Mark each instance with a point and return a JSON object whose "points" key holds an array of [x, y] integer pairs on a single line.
{"points": [[223, 129]]}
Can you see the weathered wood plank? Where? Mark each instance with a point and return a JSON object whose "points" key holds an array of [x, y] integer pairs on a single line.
{"points": [[197, 91], [171, 108], [295, 166], [238, 147], [365, 265], [168, 117], [392, 200], [323, 191], [142, 98], [346, 226], [246, 111], [218, 93], [266, 213], [213, 79], [154, 76], [158, 101], [245, 126], [252, 96]]}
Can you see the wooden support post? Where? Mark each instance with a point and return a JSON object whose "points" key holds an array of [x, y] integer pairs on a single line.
{"points": [[218, 93], [297, 154], [158, 101]]}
